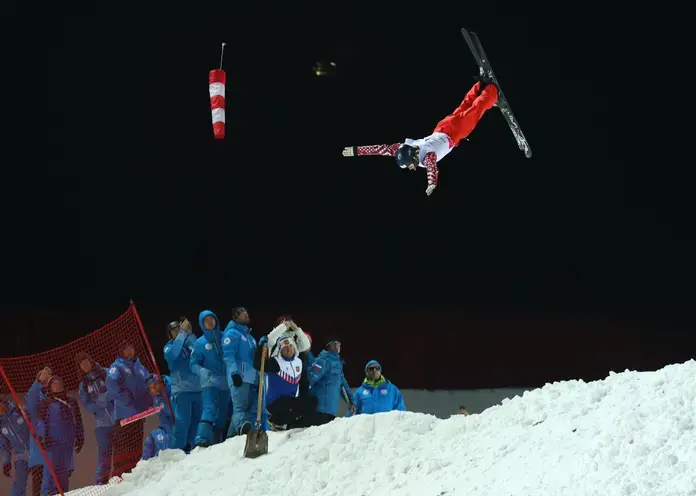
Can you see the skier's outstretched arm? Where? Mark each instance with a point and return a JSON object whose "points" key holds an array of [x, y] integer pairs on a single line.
{"points": [[386, 150], [430, 162]]}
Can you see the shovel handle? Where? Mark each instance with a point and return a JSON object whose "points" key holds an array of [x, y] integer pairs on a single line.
{"points": [[261, 376]]}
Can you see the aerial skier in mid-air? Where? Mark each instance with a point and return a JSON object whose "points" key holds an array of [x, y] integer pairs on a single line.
{"points": [[427, 152]]}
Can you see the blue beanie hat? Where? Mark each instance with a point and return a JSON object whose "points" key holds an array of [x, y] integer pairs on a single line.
{"points": [[372, 362]]}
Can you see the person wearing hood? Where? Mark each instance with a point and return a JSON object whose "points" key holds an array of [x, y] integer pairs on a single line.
{"points": [[97, 400], [126, 383], [160, 390], [327, 382], [239, 348], [61, 433], [287, 388], [208, 364], [14, 446], [185, 385], [376, 394]]}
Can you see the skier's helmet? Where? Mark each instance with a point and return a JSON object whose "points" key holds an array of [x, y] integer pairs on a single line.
{"points": [[406, 155]]}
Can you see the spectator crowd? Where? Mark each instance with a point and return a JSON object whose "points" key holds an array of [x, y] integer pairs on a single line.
{"points": [[210, 395]]}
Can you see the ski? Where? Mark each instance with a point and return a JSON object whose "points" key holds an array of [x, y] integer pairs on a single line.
{"points": [[486, 69]]}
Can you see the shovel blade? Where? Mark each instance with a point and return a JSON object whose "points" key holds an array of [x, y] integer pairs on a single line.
{"points": [[256, 444]]}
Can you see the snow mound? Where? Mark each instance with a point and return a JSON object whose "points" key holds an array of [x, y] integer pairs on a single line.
{"points": [[630, 434]]}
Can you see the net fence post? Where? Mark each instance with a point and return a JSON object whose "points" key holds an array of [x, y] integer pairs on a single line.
{"points": [[152, 357]]}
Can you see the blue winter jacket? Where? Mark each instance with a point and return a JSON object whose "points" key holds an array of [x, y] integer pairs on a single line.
{"points": [[239, 348], [33, 400], [5, 453], [126, 382], [166, 421], [326, 381], [15, 432], [60, 422], [96, 398], [382, 396], [206, 358], [177, 353], [158, 440]]}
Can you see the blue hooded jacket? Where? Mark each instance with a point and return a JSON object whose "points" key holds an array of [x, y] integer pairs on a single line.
{"points": [[158, 440], [177, 353], [206, 358], [239, 348], [326, 381], [377, 397], [126, 383], [96, 398], [15, 431]]}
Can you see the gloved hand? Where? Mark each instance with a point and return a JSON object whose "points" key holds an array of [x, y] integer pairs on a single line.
{"points": [[206, 374], [263, 340], [349, 151], [185, 325], [7, 469], [430, 189], [237, 380], [44, 441]]}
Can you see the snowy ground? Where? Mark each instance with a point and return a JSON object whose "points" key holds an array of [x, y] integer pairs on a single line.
{"points": [[631, 434]]}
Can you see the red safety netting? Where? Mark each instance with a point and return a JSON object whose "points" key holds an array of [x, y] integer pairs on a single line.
{"points": [[90, 433]]}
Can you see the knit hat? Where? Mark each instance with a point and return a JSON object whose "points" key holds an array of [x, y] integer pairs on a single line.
{"points": [[125, 344], [290, 337], [237, 311], [371, 363], [53, 379], [332, 340], [81, 357]]}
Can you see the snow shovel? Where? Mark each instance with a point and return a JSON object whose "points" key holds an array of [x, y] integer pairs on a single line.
{"points": [[257, 439]]}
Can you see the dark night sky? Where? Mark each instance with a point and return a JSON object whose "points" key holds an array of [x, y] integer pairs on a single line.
{"points": [[121, 191]]}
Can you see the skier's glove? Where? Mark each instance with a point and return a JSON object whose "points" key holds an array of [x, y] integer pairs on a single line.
{"points": [[7, 469], [349, 151], [237, 380], [429, 190]]}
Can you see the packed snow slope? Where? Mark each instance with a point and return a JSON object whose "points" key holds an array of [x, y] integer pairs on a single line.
{"points": [[630, 434]]}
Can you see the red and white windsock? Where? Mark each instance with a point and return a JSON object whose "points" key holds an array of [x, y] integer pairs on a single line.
{"points": [[216, 85]]}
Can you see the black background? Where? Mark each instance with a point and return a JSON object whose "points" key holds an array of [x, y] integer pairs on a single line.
{"points": [[514, 272]]}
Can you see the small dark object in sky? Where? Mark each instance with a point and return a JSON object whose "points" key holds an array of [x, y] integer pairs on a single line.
{"points": [[323, 68]]}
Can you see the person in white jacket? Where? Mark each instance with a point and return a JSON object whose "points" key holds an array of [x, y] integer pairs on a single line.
{"points": [[287, 396]]}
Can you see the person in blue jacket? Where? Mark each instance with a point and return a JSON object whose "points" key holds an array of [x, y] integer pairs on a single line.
{"points": [[186, 386], [377, 394], [33, 399], [126, 383], [98, 402], [160, 390], [207, 363], [14, 446], [158, 440], [239, 348], [327, 382], [61, 433]]}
